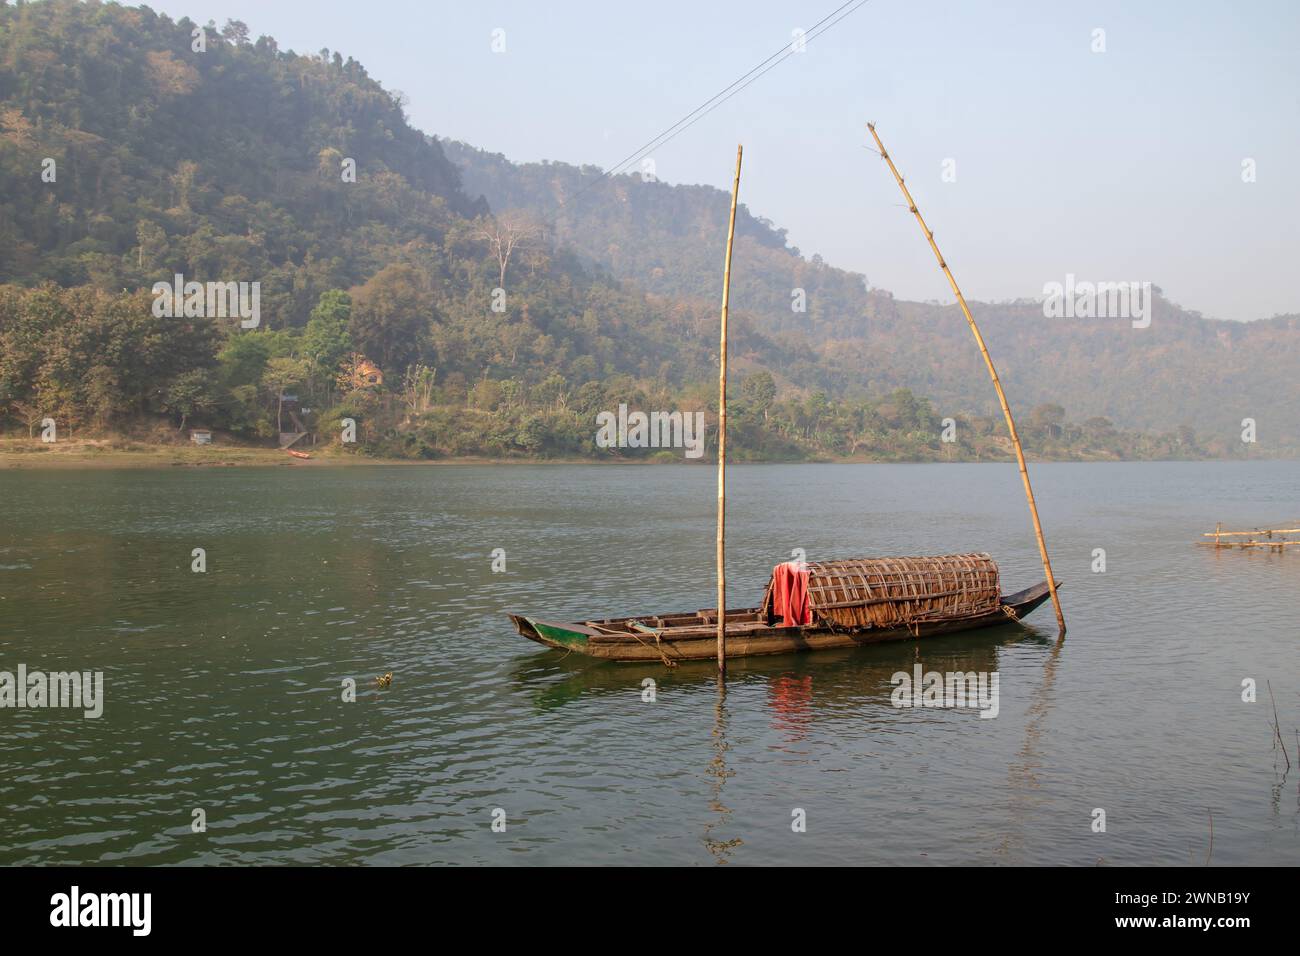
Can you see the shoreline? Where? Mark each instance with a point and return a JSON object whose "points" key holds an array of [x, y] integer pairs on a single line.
{"points": [[21, 455]]}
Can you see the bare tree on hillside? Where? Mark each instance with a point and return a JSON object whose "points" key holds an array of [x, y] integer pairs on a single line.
{"points": [[505, 234]]}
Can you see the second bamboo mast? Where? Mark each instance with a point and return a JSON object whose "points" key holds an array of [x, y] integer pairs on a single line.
{"points": [[993, 373], [722, 429]]}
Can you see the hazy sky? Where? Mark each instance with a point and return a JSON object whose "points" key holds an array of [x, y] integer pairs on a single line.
{"points": [[1116, 165]]}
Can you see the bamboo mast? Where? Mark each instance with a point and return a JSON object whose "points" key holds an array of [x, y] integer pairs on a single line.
{"points": [[722, 430], [993, 373]]}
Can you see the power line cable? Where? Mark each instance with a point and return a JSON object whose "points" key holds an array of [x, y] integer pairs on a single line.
{"points": [[785, 49], [827, 22]]}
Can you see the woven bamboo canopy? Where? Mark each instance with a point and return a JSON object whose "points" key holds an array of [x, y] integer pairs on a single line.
{"points": [[888, 592]]}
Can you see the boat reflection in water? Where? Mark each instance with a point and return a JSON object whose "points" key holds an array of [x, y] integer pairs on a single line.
{"points": [[802, 694], [790, 698], [800, 688]]}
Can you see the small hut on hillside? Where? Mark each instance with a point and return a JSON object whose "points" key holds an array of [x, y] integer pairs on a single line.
{"points": [[359, 372]]}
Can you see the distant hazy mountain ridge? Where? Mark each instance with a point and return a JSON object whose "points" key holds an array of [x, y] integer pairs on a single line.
{"points": [[1184, 370]]}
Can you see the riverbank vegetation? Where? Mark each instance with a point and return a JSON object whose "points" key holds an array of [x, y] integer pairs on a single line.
{"points": [[103, 366]]}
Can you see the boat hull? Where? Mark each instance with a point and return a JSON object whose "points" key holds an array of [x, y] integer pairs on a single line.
{"points": [[747, 636]]}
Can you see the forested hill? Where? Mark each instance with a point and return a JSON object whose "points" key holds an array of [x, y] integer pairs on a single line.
{"points": [[230, 164], [394, 294], [1183, 371], [226, 161]]}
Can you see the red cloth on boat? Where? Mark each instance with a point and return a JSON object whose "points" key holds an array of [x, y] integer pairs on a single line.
{"points": [[790, 594]]}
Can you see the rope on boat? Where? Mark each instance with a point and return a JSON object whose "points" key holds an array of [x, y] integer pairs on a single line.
{"points": [[658, 648]]}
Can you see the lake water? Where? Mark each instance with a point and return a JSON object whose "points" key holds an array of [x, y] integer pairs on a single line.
{"points": [[224, 689]]}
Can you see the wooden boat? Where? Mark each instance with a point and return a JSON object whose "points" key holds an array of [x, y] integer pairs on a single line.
{"points": [[298, 454], [826, 605], [850, 603]]}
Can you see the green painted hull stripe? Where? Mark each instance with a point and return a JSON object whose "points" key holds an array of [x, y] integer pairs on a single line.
{"points": [[559, 634]]}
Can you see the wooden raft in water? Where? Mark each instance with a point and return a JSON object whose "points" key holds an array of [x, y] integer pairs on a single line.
{"points": [[1259, 538], [889, 592]]}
